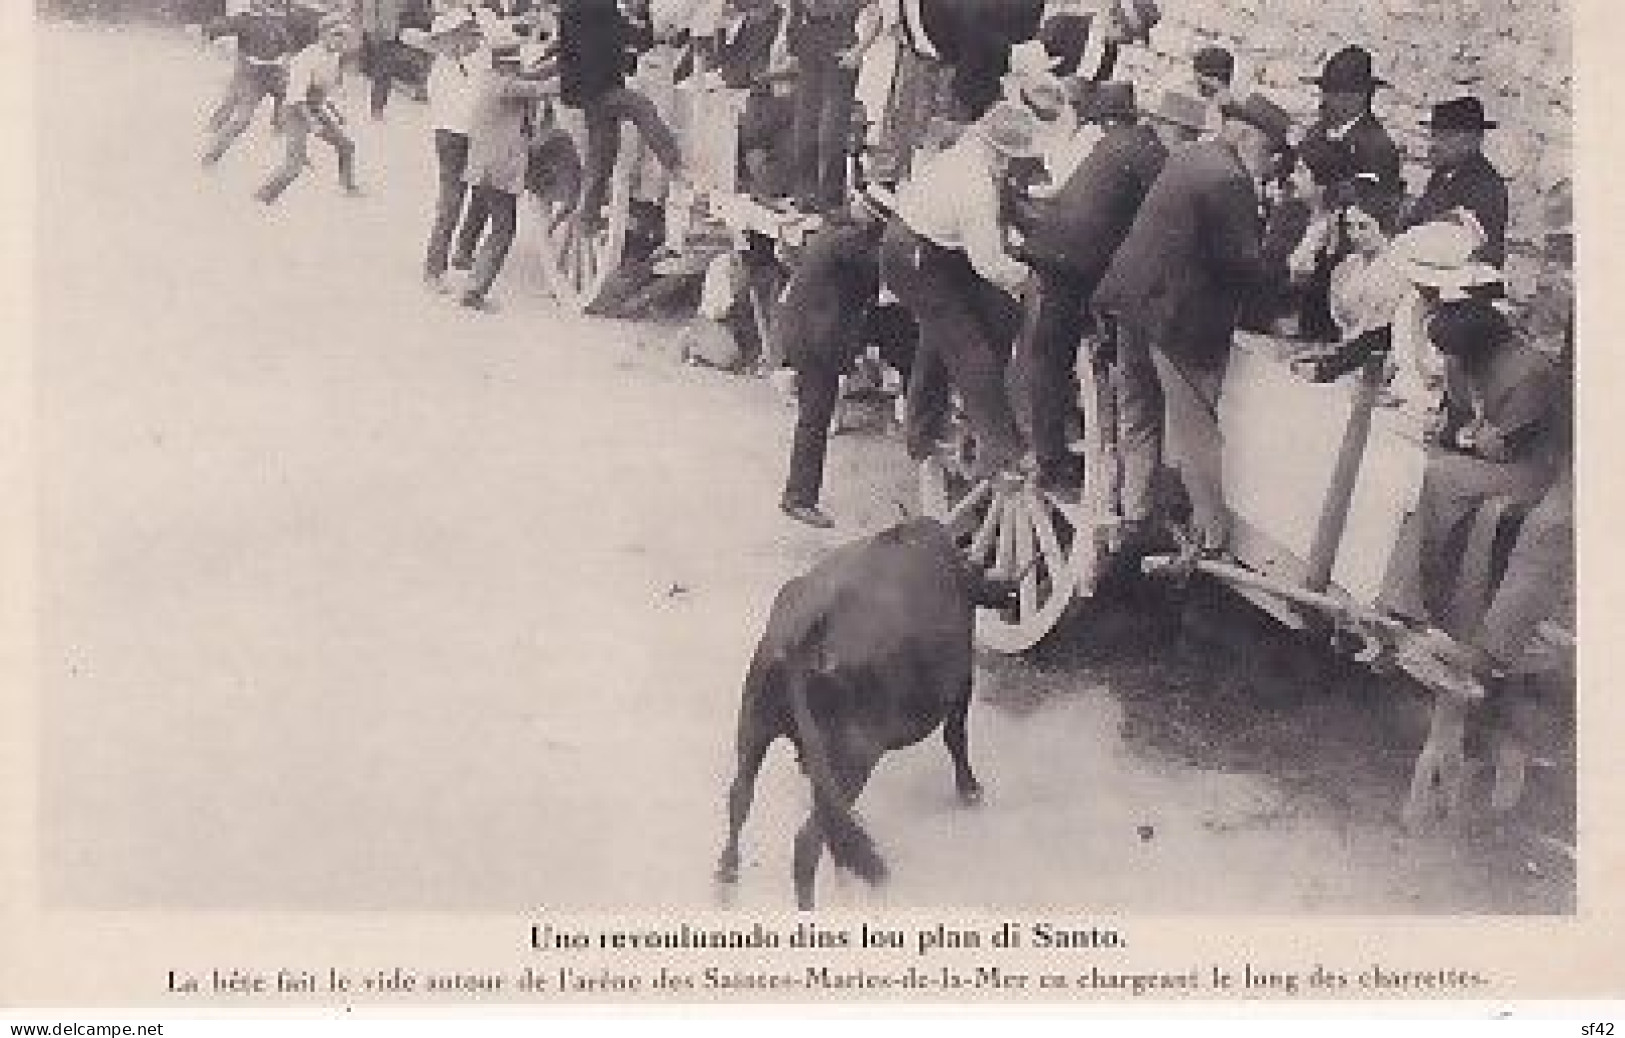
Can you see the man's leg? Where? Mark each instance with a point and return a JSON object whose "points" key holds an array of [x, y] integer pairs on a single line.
{"points": [[1191, 428], [963, 334], [817, 67], [1539, 571], [1454, 487], [925, 419], [296, 128], [451, 158], [816, 389], [504, 209], [630, 105], [974, 369], [377, 51], [228, 103], [603, 146], [247, 101], [324, 126], [475, 219], [1052, 356], [834, 133], [1137, 392], [926, 416]]}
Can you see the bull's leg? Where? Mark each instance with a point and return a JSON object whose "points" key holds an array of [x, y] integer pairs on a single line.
{"points": [[851, 768], [809, 846], [753, 744], [954, 737]]}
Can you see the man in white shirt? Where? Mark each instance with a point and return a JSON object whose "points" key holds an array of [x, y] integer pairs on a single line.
{"points": [[943, 257], [455, 40]]}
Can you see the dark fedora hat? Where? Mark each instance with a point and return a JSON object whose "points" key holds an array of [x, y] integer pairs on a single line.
{"points": [[1348, 69], [1215, 63], [1262, 114], [1460, 113]]}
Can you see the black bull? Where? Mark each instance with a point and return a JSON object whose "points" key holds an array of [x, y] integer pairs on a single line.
{"points": [[867, 652]]}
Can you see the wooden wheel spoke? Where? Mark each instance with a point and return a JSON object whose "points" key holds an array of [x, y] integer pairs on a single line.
{"points": [[1004, 563], [578, 260], [568, 245], [965, 505], [589, 259], [1025, 550], [982, 542], [579, 266], [1049, 544]]}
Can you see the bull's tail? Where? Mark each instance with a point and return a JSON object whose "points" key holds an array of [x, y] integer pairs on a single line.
{"points": [[850, 846]]}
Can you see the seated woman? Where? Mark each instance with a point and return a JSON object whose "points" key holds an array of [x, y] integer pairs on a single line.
{"points": [[1366, 287], [1501, 432], [1302, 199]]}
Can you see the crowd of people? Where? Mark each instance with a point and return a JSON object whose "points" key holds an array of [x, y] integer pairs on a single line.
{"points": [[1067, 209], [1146, 224]]}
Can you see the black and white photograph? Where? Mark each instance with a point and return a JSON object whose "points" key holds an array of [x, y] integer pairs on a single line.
{"points": [[805, 456]]}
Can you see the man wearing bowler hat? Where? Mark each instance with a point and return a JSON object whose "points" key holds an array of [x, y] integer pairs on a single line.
{"points": [[1213, 70], [1347, 87], [1463, 178], [819, 325], [1069, 239], [1169, 302]]}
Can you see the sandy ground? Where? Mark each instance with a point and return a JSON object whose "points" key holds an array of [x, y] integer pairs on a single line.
{"points": [[352, 599]]}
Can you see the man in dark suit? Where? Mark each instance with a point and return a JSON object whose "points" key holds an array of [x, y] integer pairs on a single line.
{"points": [[818, 326], [1346, 122], [1170, 298], [1070, 237], [598, 50], [820, 34], [1463, 178]]}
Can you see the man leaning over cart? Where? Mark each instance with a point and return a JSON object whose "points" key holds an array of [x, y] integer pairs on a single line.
{"points": [[1174, 289], [1069, 238]]}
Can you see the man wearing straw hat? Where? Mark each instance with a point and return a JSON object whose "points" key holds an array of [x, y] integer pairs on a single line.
{"points": [[1170, 298], [497, 154], [943, 257], [1178, 118]]}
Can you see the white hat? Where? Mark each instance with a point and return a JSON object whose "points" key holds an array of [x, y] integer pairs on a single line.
{"points": [[1032, 56], [1439, 255], [1011, 129], [458, 19]]}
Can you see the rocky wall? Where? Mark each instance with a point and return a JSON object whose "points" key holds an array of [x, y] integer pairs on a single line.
{"points": [[1514, 54]]}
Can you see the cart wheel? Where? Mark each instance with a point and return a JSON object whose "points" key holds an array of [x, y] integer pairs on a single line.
{"points": [[1014, 530], [578, 261]]}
